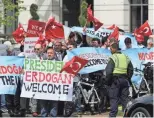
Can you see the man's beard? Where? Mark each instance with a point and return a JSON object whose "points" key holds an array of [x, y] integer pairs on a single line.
{"points": [[49, 58]]}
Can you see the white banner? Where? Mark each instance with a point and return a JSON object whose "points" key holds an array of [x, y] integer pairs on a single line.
{"points": [[42, 80], [29, 45]]}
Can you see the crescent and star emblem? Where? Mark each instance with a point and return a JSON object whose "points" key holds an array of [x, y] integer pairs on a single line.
{"points": [[146, 30], [75, 66]]}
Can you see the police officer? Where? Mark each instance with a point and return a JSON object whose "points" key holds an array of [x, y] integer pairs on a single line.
{"points": [[118, 72]]}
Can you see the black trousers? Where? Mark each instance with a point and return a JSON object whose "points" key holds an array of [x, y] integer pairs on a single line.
{"points": [[13, 101], [118, 93], [60, 108]]}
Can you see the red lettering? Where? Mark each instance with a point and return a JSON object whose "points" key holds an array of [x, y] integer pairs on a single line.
{"points": [[10, 69], [4, 69], [15, 69], [152, 55], [141, 56], [41, 77], [34, 27], [28, 76], [20, 69], [68, 77], [54, 78], [48, 77], [60, 79], [34, 76], [147, 56]]}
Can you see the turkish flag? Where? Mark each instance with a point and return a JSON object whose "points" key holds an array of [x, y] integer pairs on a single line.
{"points": [[114, 34], [74, 65], [35, 28], [139, 37], [41, 40], [97, 24], [18, 34], [111, 27], [54, 30], [144, 29], [90, 17]]}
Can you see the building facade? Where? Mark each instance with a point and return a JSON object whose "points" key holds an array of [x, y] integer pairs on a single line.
{"points": [[127, 14]]}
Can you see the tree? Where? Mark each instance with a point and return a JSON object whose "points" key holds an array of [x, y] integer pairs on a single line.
{"points": [[10, 7], [83, 14]]}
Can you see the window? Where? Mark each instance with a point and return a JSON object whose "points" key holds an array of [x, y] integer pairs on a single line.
{"points": [[139, 13]]}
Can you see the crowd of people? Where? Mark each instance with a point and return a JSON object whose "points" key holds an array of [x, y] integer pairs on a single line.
{"points": [[17, 106]]}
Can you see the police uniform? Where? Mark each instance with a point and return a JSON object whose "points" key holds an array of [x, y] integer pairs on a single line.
{"points": [[118, 73]]}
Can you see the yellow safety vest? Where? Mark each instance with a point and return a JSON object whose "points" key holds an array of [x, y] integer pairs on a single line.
{"points": [[121, 62]]}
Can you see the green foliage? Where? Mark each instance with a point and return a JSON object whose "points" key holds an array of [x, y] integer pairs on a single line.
{"points": [[12, 8], [83, 14], [33, 12]]}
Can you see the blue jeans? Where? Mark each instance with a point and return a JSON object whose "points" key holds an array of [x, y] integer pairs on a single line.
{"points": [[3, 103], [49, 108]]}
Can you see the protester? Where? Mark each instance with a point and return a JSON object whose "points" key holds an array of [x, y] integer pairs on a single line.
{"points": [[9, 49], [95, 43], [3, 108], [104, 42], [150, 43], [71, 38], [49, 107], [21, 51], [70, 46], [60, 53], [128, 43], [118, 70], [34, 104], [12, 101]]}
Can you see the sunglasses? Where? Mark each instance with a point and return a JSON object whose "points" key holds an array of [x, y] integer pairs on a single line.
{"points": [[37, 49]]}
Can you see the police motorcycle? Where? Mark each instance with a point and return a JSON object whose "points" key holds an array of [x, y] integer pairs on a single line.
{"points": [[144, 84], [89, 94]]}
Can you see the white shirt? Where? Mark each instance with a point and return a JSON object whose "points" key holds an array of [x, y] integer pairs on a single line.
{"points": [[65, 59], [59, 56], [21, 54]]}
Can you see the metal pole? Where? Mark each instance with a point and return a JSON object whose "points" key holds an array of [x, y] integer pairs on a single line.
{"points": [[141, 13]]}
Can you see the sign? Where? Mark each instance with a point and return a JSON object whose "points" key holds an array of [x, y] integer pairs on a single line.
{"points": [[122, 39], [29, 45], [138, 57], [97, 58], [10, 69], [103, 32], [35, 28], [42, 80]]}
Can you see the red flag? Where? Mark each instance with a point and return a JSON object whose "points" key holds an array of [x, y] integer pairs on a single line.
{"points": [[114, 34], [90, 17], [145, 29], [54, 30], [111, 27], [97, 24], [139, 37], [35, 28], [74, 65], [41, 40], [18, 34]]}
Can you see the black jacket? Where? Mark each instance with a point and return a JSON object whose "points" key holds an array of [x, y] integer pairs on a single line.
{"points": [[84, 42]]}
